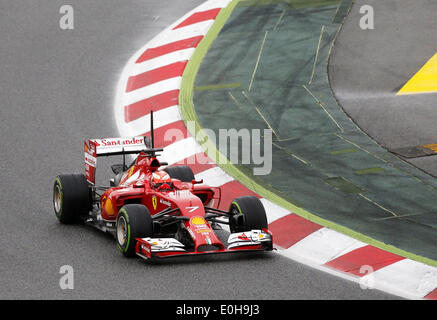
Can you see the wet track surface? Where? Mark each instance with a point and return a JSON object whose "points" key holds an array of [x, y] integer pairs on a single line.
{"points": [[365, 81], [57, 88]]}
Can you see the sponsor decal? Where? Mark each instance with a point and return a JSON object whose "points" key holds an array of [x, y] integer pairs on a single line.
{"points": [[154, 202], [198, 220], [261, 236], [200, 225], [192, 209], [203, 231], [90, 149], [109, 208], [243, 237], [90, 160], [167, 203], [120, 142]]}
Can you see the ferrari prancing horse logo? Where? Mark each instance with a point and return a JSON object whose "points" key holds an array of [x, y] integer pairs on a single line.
{"points": [[154, 202]]}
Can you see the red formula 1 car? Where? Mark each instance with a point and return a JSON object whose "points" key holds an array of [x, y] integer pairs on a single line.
{"points": [[154, 212]]}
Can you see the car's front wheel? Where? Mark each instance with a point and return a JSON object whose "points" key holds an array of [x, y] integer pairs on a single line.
{"points": [[133, 221], [247, 213]]}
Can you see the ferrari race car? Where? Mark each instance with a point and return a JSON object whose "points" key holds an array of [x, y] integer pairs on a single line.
{"points": [[157, 212]]}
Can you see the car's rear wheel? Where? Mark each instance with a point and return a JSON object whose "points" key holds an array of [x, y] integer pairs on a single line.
{"points": [[71, 197], [133, 221], [247, 213], [183, 173]]}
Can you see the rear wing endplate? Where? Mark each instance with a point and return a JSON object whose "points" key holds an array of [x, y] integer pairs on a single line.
{"points": [[110, 147]]}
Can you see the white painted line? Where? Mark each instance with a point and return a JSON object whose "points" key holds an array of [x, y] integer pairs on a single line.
{"points": [[317, 54], [162, 61], [406, 278], [308, 261], [324, 245], [151, 90], [257, 60], [214, 177], [161, 38], [180, 150], [391, 288], [190, 31], [161, 118]]}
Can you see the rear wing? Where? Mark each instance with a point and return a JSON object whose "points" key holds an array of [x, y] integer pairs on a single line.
{"points": [[110, 147], [116, 146]]}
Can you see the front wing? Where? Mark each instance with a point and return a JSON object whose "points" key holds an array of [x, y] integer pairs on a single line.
{"points": [[254, 240]]}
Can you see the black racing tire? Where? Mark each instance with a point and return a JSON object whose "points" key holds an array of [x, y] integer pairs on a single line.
{"points": [[133, 221], [183, 173], [247, 213], [71, 197]]}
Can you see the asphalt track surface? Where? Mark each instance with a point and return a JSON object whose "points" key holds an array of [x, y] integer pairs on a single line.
{"points": [[366, 70], [57, 88], [368, 67]]}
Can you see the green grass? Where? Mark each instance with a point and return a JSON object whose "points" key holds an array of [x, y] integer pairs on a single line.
{"points": [[219, 86]]}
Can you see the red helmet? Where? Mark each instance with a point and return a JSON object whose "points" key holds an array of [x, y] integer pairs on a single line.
{"points": [[161, 180]]}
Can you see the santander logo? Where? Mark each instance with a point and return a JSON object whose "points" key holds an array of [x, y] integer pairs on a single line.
{"points": [[120, 142]]}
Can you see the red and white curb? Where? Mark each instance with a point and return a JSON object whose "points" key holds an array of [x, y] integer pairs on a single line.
{"points": [[151, 80]]}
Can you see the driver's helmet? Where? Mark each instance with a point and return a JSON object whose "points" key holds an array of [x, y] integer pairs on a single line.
{"points": [[161, 180]]}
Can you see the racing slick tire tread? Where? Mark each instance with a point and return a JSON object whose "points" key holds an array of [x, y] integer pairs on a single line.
{"points": [[247, 213], [74, 197], [183, 173], [139, 225]]}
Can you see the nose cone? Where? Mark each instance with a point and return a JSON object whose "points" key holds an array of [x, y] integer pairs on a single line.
{"points": [[204, 237]]}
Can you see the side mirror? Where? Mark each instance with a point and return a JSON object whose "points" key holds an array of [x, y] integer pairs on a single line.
{"points": [[197, 181], [118, 168]]}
